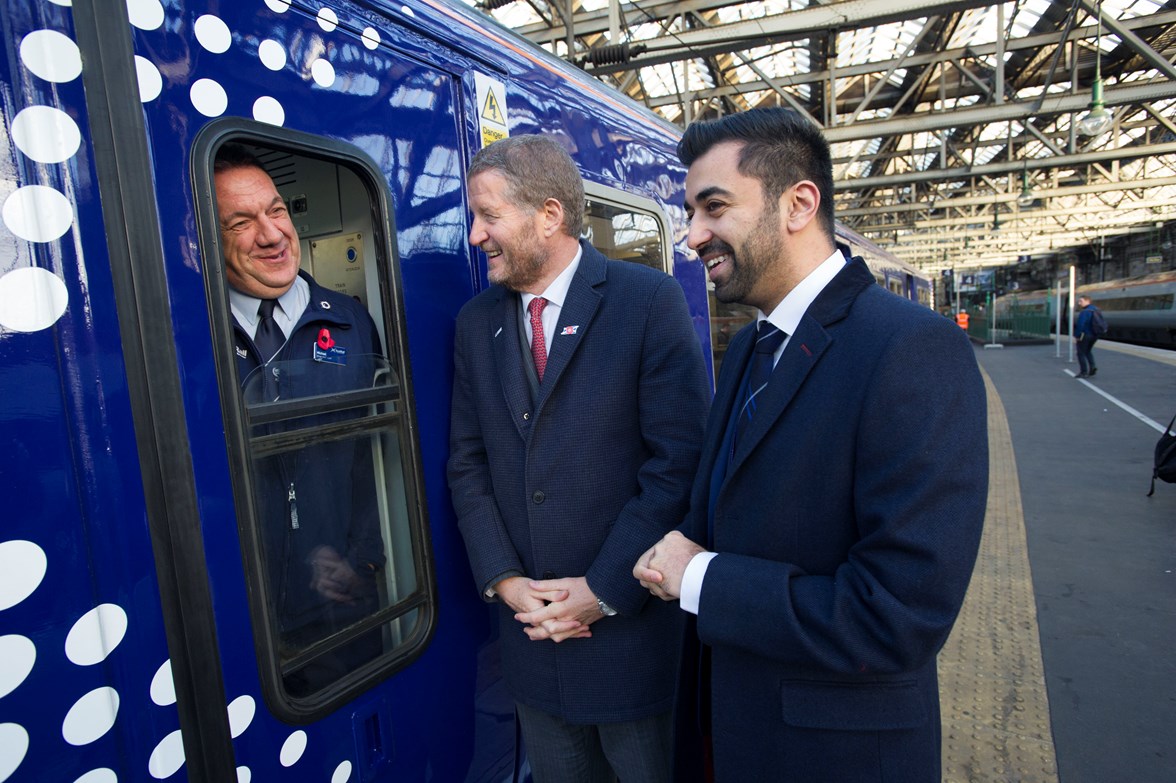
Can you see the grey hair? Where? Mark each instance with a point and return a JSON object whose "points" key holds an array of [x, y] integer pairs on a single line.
{"points": [[536, 168]]}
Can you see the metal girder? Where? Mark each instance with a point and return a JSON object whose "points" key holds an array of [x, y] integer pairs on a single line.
{"points": [[988, 199], [1151, 55], [1007, 167], [847, 15], [597, 22], [1028, 43], [1135, 92], [1081, 186]]}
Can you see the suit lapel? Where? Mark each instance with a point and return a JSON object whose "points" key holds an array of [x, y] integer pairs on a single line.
{"points": [[804, 350], [715, 446], [509, 359], [575, 318]]}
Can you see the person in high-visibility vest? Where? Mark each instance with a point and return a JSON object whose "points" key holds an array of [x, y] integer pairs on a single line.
{"points": [[962, 319]]}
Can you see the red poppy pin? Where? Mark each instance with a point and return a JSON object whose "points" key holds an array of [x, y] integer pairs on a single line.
{"points": [[324, 340]]}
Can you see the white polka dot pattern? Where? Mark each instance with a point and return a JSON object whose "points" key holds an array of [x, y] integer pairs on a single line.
{"points": [[241, 712], [145, 14], [150, 80], [213, 34], [96, 634], [34, 299], [31, 299], [168, 756], [209, 98], [103, 775], [46, 134], [51, 56], [163, 687], [37, 213], [22, 567], [292, 749], [14, 744], [19, 654], [267, 109], [90, 717]]}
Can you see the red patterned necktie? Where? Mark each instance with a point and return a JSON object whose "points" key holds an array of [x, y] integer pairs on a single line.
{"points": [[538, 343]]}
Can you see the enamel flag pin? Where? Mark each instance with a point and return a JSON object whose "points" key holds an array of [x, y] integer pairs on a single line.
{"points": [[570, 329]]}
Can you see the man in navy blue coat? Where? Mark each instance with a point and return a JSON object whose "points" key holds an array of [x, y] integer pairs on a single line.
{"points": [[838, 505], [579, 400]]}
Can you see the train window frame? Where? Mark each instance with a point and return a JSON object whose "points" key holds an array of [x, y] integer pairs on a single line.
{"points": [[642, 205], [380, 417]]}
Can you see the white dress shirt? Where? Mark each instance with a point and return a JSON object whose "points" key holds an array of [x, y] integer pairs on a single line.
{"points": [[785, 317], [555, 294]]}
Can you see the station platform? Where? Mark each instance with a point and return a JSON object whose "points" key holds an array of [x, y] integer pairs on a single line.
{"points": [[1062, 665]]}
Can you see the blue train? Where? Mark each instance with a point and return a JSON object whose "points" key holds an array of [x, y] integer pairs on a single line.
{"points": [[138, 640]]}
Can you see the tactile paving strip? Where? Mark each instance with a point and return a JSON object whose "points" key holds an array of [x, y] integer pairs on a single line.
{"points": [[992, 695]]}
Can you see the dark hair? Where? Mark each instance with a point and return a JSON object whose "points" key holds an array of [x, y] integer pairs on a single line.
{"points": [[780, 148], [536, 168], [235, 156]]}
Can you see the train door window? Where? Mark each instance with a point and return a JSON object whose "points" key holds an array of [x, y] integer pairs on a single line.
{"points": [[626, 227], [327, 484]]}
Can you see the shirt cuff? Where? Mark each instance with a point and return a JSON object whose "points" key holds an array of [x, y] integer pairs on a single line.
{"points": [[692, 581]]}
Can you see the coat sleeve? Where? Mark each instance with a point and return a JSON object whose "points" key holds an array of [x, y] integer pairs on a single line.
{"points": [[672, 395], [491, 553], [918, 495]]}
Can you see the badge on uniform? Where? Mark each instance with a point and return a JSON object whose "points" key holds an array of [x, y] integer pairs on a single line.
{"points": [[325, 349]]}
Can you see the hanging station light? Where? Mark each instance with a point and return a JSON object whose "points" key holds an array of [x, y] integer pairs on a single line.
{"points": [[1026, 198], [1098, 120]]}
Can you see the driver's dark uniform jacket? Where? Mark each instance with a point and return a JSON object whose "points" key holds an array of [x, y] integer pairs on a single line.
{"points": [[321, 495]]}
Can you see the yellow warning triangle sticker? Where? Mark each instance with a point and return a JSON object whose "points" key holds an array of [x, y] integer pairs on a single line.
{"points": [[492, 111]]}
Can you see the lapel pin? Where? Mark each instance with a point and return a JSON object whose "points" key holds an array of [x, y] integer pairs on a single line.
{"points": [[570, 329]]}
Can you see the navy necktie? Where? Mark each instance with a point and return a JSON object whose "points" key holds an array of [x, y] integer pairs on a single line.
{"points": [[768, 340], [269, 337]]}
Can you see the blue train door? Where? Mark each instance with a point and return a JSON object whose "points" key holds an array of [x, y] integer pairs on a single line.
{"points": [[277, 671]]}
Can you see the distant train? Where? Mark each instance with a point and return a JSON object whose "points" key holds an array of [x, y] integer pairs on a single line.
{"points": [[1138, 310], [890, 271], [139, 640]]}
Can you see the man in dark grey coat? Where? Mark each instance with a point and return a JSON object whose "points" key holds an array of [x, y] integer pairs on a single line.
{"points": [[579, 400]]}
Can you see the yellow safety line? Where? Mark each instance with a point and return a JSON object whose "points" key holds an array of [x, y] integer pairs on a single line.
{"points": [[995, 709]]}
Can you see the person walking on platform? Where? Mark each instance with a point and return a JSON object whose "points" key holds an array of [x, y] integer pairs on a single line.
{"points": [[1086, 334], [579, 398], [837, 509]]}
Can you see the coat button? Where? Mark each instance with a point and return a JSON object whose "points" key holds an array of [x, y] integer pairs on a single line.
{"points": [[549, 575], [538, 496], [526, 417]]}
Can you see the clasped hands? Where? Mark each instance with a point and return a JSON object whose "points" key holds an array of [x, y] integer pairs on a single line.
{"points": [[661, 568], [561, 609], [555, 609]]}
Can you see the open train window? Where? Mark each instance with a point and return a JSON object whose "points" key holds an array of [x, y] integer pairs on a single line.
{"points": [[320, 434], [626, 227]]}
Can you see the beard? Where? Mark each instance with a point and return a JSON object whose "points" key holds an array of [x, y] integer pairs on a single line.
{"points": [[519, 267], [762, 248]]}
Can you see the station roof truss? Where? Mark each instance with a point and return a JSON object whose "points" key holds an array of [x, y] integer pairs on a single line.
{"points": [[954, 125]]}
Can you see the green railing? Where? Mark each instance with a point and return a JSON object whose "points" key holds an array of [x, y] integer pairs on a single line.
{"points": [[1011, 326]]}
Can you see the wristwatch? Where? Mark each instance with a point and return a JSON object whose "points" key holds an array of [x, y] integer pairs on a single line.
{"points": [[605, 609]]}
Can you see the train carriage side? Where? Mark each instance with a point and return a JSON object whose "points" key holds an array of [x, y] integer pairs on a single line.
{"points": [[141, 550], [84, 680], [1139, 310]]}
